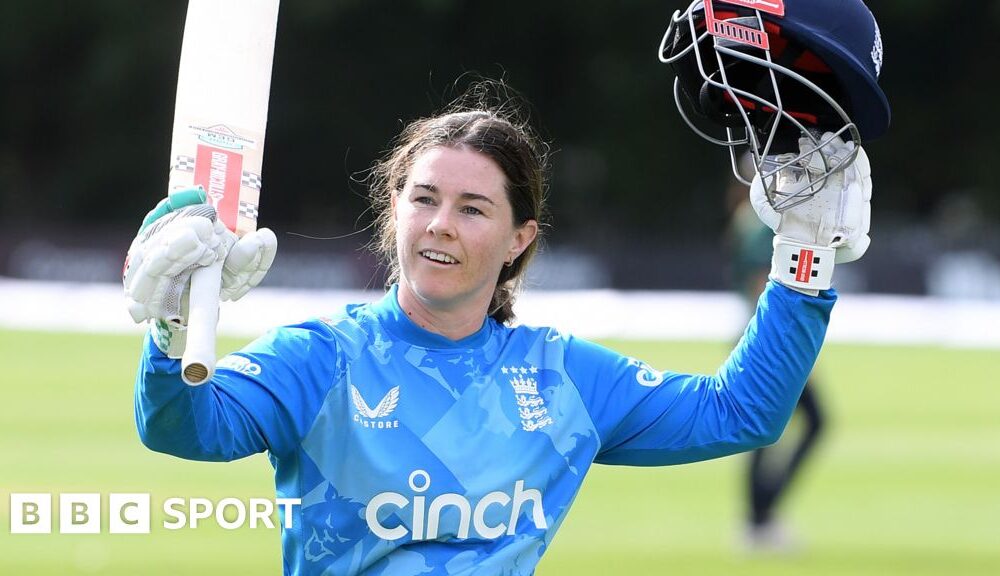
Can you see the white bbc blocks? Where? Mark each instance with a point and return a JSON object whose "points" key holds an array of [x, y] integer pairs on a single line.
{"points": [[30, 513], [79, 513], [131, 513], [128, 513]]}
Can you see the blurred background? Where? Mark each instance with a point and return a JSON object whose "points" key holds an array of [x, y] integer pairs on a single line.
{"points": [[905, 479], [637, 200]]}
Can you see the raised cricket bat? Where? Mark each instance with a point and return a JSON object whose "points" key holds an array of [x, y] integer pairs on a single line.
{"points": [[220, 117]]}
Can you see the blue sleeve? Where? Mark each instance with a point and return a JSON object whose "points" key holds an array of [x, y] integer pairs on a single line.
{"points": [[263, 397], [645, 417]]}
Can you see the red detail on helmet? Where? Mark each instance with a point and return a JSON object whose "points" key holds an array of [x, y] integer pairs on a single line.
{"points": [[807, 62], [734, 32], [776, 7], [748, 104]]}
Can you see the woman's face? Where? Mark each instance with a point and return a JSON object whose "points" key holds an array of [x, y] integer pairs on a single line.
{"points": [[454, 228]]}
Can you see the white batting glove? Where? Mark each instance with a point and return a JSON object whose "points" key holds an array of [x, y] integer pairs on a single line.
{"points": [[247, 263], [831, 227], [181, 234]]}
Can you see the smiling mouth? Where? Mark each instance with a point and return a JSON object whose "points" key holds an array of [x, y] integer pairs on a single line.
{"points": [[439, 257]]}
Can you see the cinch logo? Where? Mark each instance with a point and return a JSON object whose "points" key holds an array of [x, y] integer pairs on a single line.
{"points": [[426, 519], [239, 364], [646, 375], [373, 417]]}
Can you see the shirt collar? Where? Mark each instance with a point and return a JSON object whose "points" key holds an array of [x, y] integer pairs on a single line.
{"points": [[395, 321]]}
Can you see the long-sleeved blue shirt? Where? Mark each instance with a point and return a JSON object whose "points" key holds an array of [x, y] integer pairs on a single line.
{"points": [[416, 454]]}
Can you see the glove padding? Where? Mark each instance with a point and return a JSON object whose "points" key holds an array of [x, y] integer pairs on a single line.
{"points": [[247, 263], [178, 236], [831, 227], [163, 256]]}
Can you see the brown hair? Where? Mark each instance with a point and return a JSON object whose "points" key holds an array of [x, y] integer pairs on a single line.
{"points": [[491, 129]]}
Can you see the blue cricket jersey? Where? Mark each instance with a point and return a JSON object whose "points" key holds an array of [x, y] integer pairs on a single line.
{"points": [[416, 454]]}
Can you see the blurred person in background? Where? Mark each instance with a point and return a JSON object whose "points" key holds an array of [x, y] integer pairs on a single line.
{"points": [[771, 470]]}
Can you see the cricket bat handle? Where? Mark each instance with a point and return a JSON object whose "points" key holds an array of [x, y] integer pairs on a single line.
{"points": [[198, 362]]}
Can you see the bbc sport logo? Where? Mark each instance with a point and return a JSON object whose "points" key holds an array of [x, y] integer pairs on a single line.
{"points": [[131, 513]]}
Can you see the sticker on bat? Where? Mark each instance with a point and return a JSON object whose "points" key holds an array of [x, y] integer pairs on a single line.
{"points": [[223, 136]]}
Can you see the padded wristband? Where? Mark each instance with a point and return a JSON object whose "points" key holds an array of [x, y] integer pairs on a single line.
{"points": [[805, 267]]}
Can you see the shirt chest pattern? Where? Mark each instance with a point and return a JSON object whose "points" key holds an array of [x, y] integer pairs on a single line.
{"points": [[428, 445], [437, 446], [457, 403], [509, 392]]}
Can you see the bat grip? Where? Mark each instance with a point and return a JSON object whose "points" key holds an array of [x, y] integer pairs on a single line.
{"points": [[198, 362]]}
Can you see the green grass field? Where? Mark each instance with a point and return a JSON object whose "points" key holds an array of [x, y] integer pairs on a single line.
{"points": [[906, 481]]}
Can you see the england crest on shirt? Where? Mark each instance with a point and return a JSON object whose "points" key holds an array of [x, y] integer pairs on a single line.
{"points": [[530, 405]]}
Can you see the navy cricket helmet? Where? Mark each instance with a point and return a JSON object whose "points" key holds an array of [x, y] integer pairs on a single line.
{"points": [[764, 74]]}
